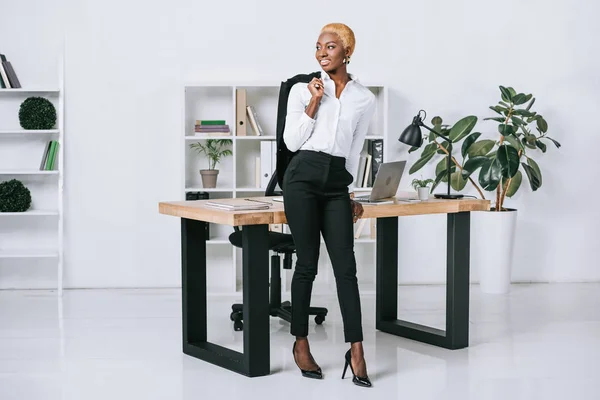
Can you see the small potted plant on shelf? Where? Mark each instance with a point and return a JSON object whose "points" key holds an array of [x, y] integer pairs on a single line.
{"points": [[422, 188], [215, 150]]}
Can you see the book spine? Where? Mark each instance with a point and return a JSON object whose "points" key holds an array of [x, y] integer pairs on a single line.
{"points": [[12, 75], [210, 122], [50, 155]]}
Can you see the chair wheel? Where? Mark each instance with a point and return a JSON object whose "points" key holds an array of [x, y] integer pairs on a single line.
{"points": [[236, 316], [319, 319], [238, 325]]}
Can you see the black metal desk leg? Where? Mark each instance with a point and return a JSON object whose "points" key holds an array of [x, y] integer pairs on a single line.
{"points": [[255, 267], [255, 360], [457, 280], [386, 300], [456, 335]]}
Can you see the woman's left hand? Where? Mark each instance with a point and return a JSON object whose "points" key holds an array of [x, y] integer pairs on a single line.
{"points": [[357, 210]]}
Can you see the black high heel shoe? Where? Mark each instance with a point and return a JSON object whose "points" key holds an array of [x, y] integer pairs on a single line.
{"points": [[318, 374], [358, 380]]}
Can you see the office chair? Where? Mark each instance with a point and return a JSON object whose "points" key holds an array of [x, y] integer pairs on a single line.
{"points": [[279, 243]]}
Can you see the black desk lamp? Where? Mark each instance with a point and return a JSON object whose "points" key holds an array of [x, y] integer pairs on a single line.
{"points": [[412, 136]]}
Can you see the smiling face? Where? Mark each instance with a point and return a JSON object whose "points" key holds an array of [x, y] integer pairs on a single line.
{"points": [[330, 52]]}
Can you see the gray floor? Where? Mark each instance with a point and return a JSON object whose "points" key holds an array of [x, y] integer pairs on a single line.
{"points": [[538, 342]]}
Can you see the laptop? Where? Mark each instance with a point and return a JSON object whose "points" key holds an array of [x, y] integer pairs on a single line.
{"points": [[386, 183]]}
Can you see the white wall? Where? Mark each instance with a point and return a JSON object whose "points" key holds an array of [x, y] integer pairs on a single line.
{"points": [[127, 60]]}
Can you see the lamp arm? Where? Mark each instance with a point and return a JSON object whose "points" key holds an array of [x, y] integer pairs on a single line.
{"points": [[438, 134]]}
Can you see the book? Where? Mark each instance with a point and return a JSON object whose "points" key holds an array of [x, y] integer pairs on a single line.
{"points": [[240, 112], [213, 133], [3, 72], [239, 204], [210, 122], [211, 128], [253, 118], [12, 75]]}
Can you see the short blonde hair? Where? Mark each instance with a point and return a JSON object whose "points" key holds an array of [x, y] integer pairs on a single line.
{"points": [[344, 32]]}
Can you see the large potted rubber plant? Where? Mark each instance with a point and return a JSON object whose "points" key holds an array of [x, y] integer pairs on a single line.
{"points": [[495, 163]]}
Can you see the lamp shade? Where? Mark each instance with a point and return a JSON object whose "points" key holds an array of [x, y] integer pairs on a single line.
{"points": [[412, 134]]}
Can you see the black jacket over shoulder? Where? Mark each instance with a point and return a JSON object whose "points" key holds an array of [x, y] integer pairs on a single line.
{"points": [[284, 155]]}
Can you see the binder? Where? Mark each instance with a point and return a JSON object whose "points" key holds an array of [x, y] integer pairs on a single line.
{"points": [[273, 156], [265, 163], [241, 122]]}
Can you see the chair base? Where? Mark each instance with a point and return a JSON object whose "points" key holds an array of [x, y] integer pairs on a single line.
{"points": [[277, 308], [283, 311]]}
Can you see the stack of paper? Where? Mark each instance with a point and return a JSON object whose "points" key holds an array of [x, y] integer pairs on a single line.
{"points": [[239, 204]]}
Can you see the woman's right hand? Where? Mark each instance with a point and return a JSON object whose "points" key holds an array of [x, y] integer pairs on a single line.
{"points": [[316, 88]]}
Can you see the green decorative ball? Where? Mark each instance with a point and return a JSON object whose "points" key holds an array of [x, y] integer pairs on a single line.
{"points": [[14, 196], [37, 113]]}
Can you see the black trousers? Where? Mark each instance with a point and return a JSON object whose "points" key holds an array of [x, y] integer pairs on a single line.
{"points": [[316, 201]]}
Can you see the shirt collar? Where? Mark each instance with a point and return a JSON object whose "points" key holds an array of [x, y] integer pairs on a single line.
{"points": [[330, 85], [325, 77]]}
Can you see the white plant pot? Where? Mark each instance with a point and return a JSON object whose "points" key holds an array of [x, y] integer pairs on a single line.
{"points": [[423, 193], [492, 245]]}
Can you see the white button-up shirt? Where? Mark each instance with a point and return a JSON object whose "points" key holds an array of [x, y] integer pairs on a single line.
{"points": [[340, 125]]}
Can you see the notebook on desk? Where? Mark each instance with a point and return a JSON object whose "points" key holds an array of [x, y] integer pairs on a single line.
{"points": [[239, 204]]}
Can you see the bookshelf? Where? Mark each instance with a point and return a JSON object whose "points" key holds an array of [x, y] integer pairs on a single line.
{"points": [[31, 242], [237, 173]]}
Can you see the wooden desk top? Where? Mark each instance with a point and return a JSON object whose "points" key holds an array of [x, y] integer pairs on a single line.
{"points": [[197, 209]]}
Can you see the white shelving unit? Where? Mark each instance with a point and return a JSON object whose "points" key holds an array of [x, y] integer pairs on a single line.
{"points": [[211, 101], [33, 238]]}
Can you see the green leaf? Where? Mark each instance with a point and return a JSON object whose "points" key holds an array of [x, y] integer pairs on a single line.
{"points": [[429, 149], [534, 180], [462, 128], [481, 148], [517, 121], [509, 160], [506, 130], [490, 175], [512, 91], [542, 124], [536, 169], [506, 96], [425, 157], [457, 182], [542, 146], [530, 104], [499, 110], [413, 148], [473, 164], [439, 178], [514, 184], [468, 142], [442, 167], [497, 119], [553, 141], [529, 141], [514, 142], [436, 121], [523, 113], [519, 99]]}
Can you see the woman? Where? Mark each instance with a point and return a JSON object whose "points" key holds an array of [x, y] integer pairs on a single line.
{"points": [[327, 121]]}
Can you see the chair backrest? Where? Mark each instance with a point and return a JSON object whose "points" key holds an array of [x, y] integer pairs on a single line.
{"points": [[270, 190], [284, 155]]}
